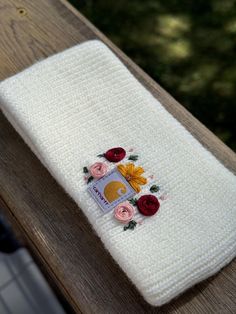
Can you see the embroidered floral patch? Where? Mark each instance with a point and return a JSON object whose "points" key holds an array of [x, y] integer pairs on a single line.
{"points": [[111, 190], [123, 188]]}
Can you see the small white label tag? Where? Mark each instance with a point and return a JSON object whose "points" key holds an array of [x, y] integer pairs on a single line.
{"points": [[111, 190]]}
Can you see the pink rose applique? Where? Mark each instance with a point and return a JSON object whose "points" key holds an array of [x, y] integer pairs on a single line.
{"points": [[124, 212], [98, 170]]}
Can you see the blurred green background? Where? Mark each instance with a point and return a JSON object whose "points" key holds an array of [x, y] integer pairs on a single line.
{"points": [[186, 46]]}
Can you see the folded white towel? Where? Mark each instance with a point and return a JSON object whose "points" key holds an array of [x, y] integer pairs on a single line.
{"points": [[83, 101]]}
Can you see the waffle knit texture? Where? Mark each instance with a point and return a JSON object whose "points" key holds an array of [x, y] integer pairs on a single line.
{"points": [[83, 101]]}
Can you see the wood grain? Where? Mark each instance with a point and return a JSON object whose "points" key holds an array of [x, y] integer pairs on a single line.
{"points": [[52, 224]]}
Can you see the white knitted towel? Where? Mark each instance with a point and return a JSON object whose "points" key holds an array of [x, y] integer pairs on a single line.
{"points": [[83, 101]]}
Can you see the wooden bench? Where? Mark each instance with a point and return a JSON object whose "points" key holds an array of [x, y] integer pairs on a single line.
{"points": [[52, 225]]}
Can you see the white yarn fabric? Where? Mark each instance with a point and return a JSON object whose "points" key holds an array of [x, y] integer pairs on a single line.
{"points": [[83, 101]]}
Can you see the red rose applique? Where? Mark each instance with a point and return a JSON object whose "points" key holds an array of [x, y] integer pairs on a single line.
{"points": [[148, 205], [115, 154]]}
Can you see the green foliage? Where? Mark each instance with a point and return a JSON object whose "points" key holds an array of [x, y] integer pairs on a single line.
{"points": [[90, 179], [85, 170], [154, 188], [186, 46], [133, 157], [131, 225], [133, 201]]}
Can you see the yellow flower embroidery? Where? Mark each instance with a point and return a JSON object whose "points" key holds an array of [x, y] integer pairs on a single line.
{"points": [[133, 175]]}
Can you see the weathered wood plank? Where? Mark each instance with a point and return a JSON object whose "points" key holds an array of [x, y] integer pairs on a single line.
{"points": [[52, 224]]}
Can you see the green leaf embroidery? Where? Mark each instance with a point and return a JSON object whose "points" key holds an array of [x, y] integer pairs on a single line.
{"points": [[89, 179], [154, 188], [100, 155], [133, 201], [133, 157], [85, 170], [131, 225]]}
